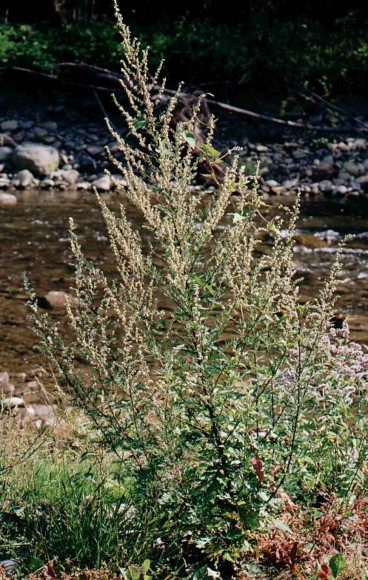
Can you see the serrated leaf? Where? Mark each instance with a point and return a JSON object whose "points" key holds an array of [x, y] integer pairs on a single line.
{"points": [[337, 564]]}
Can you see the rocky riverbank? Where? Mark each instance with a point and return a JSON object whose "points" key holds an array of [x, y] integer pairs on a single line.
{"points": [[51, 150], [24, 397], [37, 151]]}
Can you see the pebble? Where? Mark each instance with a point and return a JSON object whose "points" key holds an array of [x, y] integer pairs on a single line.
{"points": [[326, 186], [272, 183], [56, 299], [363, 182], [340, 190], [103, 183], [71, 176], [95, 150], [25, 178], [11, 125], [4, 377], [5, 153], [7, 198], [83, 185], [50, 126], [11, 402], [7, 389], [323, 170], [352, 168]]}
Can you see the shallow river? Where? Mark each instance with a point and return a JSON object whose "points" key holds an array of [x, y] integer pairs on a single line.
{"points": [[33, 238]]}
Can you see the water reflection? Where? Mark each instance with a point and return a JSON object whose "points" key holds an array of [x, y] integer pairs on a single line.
{"points": [[33, 238]]}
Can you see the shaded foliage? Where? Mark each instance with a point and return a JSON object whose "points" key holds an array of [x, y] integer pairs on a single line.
{"points": [[267, 44]]}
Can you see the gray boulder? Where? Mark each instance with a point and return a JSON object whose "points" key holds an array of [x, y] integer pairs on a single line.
{"points": [[11, 125], [39, 159], [5, 153]]}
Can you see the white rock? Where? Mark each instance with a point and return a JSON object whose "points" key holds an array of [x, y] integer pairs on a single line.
{"points": [[103, 183], [272, 183], [56, 298], [83, 185], [7, 199], [70, 175], [11, 402], [340, 190], [40, 159], [25, 177]]}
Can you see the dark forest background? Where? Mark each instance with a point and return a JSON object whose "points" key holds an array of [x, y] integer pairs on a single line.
{"points": [[225, 46]]}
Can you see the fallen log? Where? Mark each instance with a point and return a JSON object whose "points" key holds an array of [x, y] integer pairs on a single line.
{"points": [[101, 74]]}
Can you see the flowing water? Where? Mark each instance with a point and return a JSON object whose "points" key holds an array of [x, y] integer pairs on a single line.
{"points": [[33, 238]]}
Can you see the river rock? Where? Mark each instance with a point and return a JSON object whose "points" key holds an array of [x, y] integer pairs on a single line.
{"points": [[4, 377], [40, 159], [7, 199], [83, 185], [25, 178], [47, 183], [43, 413], [7, 389], [71, 176], [56, 299], [352, 168], [323, 170], [272, 183], [95, 150], [363, 182], [340, 190], [50, 126], [326, 186], [12, 402], [5, 153], [9, 565], [11, 125], [103, 183]]}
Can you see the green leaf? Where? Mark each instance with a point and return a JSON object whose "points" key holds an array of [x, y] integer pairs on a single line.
{"points": [[337, 564], [190, 139], [146, 566], [200, 573], [140, 122], [209, 151], [203, 284]]}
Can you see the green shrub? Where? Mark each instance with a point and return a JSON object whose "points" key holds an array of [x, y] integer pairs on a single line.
{"points": [[45, 48], [218, 392], [279, 56]]}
